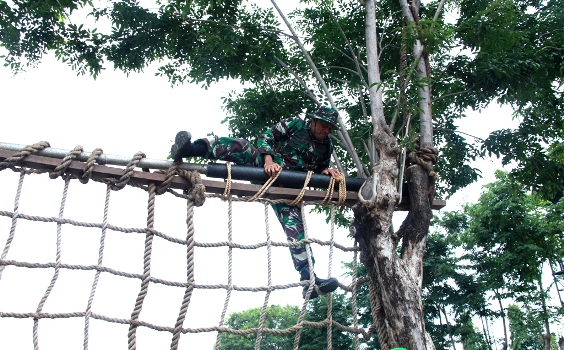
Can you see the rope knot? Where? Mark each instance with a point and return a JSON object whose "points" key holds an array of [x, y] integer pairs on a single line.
{"points": [[198, 191], [26, 151], [426, 157], [62, 167], [342, 190], [124, 179]]}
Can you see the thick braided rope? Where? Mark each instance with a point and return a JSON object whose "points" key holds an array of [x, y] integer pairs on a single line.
{"points": [[227, 191], [378, 317], [198, 191], [196, 198], [132, 334], [90, 165], [62, 167], [330, 297], [26, 151], [426, 157], [353, 296], [98, 271], [311, 284], [267, 296], [301, 194], [329, 193], [57, 268], [124, 179], [170, 173], [14, 222], [264, 188], [229, 264], [342, 189]]}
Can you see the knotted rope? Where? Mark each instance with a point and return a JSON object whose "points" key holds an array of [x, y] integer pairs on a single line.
{"points": [[342, 190], [124, 179], [90, 165], [264, 187], [198, 191], [26, 151], [228, 181], [301, 194], [61, 168], [426, 157]]}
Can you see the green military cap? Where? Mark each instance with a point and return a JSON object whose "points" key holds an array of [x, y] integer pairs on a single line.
{"points": [[328, 114]]}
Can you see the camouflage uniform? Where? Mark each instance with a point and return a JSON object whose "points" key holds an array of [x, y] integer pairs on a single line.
{"points": [[293, 147]]}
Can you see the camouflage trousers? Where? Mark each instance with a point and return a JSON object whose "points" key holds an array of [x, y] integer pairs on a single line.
{"points": [[242, 152]]}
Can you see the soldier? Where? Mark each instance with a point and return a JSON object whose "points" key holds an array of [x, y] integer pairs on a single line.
{"points": [[292, 144]]}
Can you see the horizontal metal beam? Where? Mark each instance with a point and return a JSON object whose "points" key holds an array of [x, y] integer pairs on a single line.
{"points": [[287, 178]]}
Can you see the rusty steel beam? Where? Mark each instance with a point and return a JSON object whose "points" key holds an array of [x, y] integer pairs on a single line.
{"points": [[49, 158]]}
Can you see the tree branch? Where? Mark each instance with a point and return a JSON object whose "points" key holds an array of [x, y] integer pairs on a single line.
{"points": [[300, 80], [353, 55], [460, 132], [454, 93], [376, 98]]}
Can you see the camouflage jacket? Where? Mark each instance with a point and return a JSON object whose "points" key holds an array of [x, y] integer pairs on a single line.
{"points": [[292, 145]]}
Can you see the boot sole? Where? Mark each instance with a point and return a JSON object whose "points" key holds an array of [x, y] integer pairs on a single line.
{"points": [[180, 141], [331, 285]]}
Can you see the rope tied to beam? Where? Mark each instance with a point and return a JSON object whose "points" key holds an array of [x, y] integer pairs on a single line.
{"points": [[264, 187], [62, 167], [124, 179], [87, 174], [426, 157], [302, 192], [198, 191], [227, 192], [342, 190], [26, 151]]}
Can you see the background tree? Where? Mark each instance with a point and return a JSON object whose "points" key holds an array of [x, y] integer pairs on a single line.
{"points": [[508, 237], [524, 330], [277, 317]]}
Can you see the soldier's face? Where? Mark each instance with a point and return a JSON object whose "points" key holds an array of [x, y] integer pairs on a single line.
{"points": [[321, 129]]}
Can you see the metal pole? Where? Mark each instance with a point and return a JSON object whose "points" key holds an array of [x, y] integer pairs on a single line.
{"points": [[287, 178]]}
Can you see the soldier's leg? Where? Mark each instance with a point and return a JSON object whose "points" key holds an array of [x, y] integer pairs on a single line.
{"points": [[229, 149], [291, 220], [238, 151]]}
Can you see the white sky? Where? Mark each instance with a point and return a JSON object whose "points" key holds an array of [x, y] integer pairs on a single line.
{"points": [[124, 115]]}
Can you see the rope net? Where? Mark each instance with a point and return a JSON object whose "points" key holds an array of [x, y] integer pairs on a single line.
{"points": [[118, 264]]}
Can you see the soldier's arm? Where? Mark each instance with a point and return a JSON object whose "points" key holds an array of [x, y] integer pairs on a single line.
{"points": [[276, 133]]}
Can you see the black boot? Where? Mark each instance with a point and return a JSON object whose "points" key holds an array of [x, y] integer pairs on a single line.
{"points": [[324, 285], [182, 146]]}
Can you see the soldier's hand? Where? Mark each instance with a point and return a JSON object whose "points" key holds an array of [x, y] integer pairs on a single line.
{"points": [[270, 167], [336, 174]]}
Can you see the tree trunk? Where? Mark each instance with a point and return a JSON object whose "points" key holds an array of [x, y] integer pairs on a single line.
{"points": [[397, 278], [449, 328], [546, 335], [486, 330], [502, 313]]}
